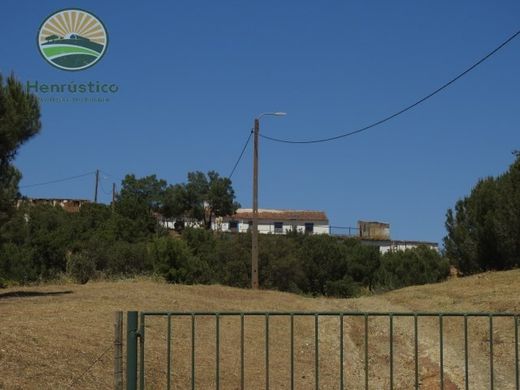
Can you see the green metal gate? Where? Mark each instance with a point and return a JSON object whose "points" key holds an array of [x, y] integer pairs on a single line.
{"points": [[481, 345]]}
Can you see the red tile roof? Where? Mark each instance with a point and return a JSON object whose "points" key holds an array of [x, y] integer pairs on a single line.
{"points": [[281, 215]]}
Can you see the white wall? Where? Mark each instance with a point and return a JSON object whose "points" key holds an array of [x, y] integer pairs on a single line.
{"points": [[267, 227], [401, 247]]}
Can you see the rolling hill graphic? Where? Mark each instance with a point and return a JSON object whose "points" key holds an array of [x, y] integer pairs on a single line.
{"points": [[74, 51]]}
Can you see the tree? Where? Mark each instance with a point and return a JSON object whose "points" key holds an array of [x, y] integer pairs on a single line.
{"points": [[135, 206], [209, 196], [19, 121], [52, 37], [484, 228]]}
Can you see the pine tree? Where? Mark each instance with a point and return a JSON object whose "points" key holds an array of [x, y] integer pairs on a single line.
{"points": [[19, 121]]}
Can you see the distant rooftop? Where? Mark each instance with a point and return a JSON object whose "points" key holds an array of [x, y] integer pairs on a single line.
{"points": [[282, 215]]}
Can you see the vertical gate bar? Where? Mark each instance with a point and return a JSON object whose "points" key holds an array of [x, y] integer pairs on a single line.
{"points": [[316, 352], [169, 352], [217, 351], [131, 350], [391, 331], [517, 376], [292, 351], [491, 376], [466, 356], [141, 347], [341, 379], [441, 351], [416, 350], [242, 351], [267, 351], [366, 351], [192, 351], [118, 350]]}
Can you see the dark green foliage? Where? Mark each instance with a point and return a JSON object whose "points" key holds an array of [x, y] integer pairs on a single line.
{"points": [[19, 121], [173, 259], [201, 198], [343, 288], [420, 265], [81, 267], [127, 258], [19, 118], [484, 229]]}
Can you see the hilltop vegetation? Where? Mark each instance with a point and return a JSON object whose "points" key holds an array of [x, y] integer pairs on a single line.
{"points": [[43, 242]]}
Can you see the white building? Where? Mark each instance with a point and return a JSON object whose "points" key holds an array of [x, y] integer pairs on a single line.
{"points": [[399, 245], [275, 221]]}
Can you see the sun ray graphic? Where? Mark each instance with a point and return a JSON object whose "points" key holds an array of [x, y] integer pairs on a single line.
{"points": [[72, 39]]}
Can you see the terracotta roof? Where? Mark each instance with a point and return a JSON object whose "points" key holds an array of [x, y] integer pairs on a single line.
{"points": [[281, 215]]}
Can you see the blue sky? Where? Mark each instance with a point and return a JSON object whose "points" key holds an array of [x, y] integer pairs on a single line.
{"points": [[194, 74]]}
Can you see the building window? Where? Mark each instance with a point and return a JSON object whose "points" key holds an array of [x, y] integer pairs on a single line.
{"points": [[249, 225], [233, 226], [278, 227], [309, 227]]}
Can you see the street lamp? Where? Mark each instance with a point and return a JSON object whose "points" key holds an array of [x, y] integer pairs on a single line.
{"points": [[254, 236]]}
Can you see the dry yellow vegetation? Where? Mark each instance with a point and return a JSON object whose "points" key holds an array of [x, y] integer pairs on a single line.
{"points": [[50, 335]]}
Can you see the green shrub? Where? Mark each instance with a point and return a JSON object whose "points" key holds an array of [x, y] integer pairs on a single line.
{"points": [[420, 265], [173, 259], [343, 288], [81, 267]]}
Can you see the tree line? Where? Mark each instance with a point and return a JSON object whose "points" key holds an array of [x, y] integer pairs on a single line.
{"points": [[42, 242], [483, 229]]}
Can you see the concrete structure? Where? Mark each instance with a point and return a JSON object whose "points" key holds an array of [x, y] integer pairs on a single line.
{"points": [[374, 230], [272, 221], [69, 205]]}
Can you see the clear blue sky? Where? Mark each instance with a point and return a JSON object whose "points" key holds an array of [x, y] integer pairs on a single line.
{"points": [[193, 75]]}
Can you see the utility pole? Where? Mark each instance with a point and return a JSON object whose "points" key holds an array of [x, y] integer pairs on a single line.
{"points": [[254, 233], [97, 182], [254, 237], [113, 195]]}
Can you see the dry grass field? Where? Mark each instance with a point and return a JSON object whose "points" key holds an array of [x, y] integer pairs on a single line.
{"points": [[50, 335]]}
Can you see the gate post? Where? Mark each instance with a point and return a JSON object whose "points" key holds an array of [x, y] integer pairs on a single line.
{"points": [[131, 350]]}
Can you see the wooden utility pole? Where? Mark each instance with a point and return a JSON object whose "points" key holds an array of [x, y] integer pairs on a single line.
{"points": [[97, 183], [254, 236], [118, 351], [113, 195]]}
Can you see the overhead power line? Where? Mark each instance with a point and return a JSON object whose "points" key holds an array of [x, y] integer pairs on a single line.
{"points": [[402, 111], [241, 154], [59, 180]]}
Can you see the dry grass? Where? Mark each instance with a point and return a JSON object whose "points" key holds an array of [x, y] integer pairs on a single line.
{"points": [[50, 335]]}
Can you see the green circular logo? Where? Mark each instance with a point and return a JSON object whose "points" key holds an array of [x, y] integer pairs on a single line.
{"points": [[72, 39]]}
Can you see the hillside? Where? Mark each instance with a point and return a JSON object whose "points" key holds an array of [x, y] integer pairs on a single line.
{"points": [[50, 335]]}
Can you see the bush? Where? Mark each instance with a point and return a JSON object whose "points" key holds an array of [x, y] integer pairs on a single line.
{"points": [[17, 263], [81, 267], [419, 265], [173, 259], [343, 288], [125, 258]]}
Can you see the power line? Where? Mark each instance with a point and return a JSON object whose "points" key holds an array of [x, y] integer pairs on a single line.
{"points": [[241, 154], [103, 189], [58, 180], [402, 111], [112, 176]]}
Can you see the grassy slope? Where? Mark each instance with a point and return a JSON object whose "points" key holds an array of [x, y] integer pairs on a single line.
{"points": [[49, 339]]}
